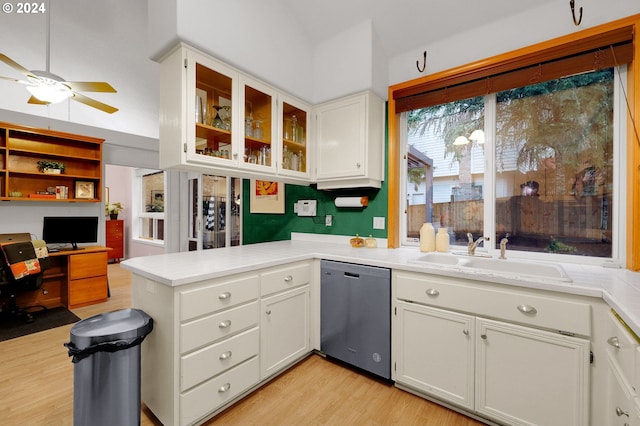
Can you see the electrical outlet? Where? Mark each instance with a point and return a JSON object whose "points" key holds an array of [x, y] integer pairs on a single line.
{"points": [[378, 223], [328, 219]]}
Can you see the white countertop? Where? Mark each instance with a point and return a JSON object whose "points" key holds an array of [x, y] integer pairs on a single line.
{"points": [[620, 288]]}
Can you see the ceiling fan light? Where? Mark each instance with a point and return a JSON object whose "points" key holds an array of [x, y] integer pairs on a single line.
{"points": [[50, 91]]}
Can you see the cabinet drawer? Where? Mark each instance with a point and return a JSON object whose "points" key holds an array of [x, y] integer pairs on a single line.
{"points": [[207, 397], [285, 278], [212, 298], [206, 330], [622, 347], [510, 305], [212, 360], [87, 290], [87, 265]]}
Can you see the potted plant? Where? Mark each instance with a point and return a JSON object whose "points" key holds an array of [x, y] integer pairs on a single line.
{"points": [[51, 166], [112, 209]]}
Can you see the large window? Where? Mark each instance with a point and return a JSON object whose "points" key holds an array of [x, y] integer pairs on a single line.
{"points": [[536, 164]]}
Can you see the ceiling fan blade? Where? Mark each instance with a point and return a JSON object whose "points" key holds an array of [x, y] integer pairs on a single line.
{"points": [[15, 80], [34, 100], [90, 86], [4, 58], [93, 103]]}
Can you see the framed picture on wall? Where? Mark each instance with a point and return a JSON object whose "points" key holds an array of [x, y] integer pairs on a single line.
{"points": [[266, 197], [84, 190]]}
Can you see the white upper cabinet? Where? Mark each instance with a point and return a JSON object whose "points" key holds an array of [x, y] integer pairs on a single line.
{"points": [[259, 126], [350, 142], [295, 155], [215, 119], [197, 101]]}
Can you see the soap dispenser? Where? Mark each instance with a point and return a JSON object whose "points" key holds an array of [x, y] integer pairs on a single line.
{"points": [[427, 237]]}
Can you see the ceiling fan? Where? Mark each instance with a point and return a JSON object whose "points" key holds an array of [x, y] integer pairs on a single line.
{"points": [[46, 87]]}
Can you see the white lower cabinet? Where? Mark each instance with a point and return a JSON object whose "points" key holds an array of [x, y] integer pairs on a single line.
{"points": [[216, 339], [435, 352], [510, 373], [284, 330], [526, 376], [623, 396]]}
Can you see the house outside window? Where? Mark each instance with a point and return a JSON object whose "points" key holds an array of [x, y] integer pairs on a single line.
{"points": [[150, 207], [539, 165]]}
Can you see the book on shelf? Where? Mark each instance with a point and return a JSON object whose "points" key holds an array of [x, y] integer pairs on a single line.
{"points": [[42, 195]]}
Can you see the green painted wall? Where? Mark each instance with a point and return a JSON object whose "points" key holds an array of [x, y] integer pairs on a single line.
{"points": [[346, 221], [258, 228]]}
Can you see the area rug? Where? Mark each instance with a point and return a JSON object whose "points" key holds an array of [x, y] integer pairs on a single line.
{"points": [[12, 327]]}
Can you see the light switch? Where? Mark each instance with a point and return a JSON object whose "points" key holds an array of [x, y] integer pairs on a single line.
{"points": [[378, 223]]}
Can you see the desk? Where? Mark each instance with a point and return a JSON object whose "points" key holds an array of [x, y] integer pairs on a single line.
{"points": [[75, 278]]}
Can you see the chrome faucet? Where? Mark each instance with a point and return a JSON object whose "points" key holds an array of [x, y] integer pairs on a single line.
{"points": [[472, 245], [503, 247]]}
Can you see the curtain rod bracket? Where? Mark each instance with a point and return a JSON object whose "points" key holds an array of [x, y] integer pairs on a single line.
{"points": [[578, 21], [424, 62]]}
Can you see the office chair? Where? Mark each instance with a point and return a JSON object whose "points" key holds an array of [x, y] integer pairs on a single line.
{"points": [[21, 271]]}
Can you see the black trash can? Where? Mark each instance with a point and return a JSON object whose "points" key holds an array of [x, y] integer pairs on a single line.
{"points": [[106, 375]]}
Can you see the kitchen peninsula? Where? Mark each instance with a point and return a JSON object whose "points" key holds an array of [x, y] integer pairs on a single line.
{"points": [[230, 320]]}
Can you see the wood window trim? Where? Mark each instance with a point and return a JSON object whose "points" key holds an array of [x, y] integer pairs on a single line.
{"points": [[444, 78]]}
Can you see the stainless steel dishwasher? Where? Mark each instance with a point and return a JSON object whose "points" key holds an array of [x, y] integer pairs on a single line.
{"points": [[355, 315]]}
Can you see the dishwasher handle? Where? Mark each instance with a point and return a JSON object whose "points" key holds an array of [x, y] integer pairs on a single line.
{"points": [[352, 275]]}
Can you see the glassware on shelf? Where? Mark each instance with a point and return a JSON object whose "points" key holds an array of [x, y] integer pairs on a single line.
{"points": [[248, 129], [224, 113], [257, 129], [300, 161], [294, 128], [294, 162], [216, 121], [286, 159]]}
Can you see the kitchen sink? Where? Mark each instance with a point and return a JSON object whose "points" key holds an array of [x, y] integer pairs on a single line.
{"points": [[439, 258], [537, 271], [543, 271]]}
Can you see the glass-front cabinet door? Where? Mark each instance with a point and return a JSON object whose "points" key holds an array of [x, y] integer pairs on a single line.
{"points": [[294, 126], [211, 97], [214, 212], [259, 128]]}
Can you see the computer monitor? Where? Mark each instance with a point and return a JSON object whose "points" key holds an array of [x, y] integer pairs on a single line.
{"points": [[70, 230]]}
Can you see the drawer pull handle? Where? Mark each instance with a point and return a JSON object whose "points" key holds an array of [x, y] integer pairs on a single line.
{"points": [[224, 388], [613, 341], [288, 279], [527, 309], [225, 355], [224, 296], [432, 292], [465, 332], [620, 412], [225, 324]]}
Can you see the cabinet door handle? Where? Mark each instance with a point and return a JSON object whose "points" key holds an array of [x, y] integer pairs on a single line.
{"points": [[224, 388], [225, 324], [225, 355], [620, 412], [224, 296], [483, 336], [268, 312], [288, 278], [527, 309], [613, 341], [358, 165], [432, 292], [465, 332]]}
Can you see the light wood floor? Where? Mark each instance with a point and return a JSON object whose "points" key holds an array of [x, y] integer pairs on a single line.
{"points": [[36, 386]]}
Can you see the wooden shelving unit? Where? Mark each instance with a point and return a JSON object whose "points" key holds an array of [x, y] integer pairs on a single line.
{"points": [[21, 147]]}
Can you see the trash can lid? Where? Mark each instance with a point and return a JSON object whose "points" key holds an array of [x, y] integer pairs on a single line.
{"points": [[111, 326]]}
